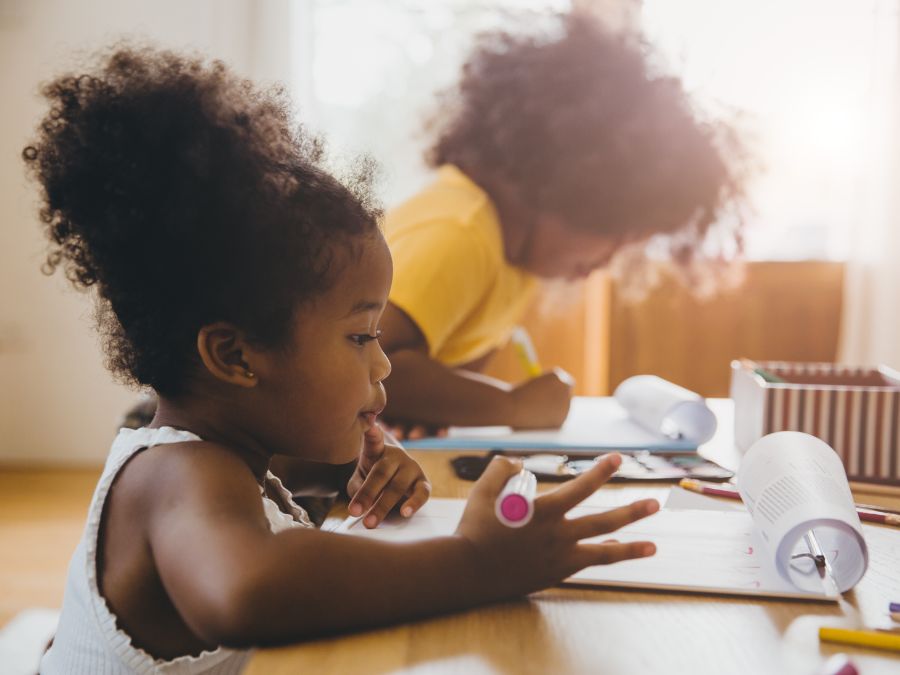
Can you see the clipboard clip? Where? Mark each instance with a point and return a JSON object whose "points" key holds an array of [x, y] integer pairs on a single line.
{"points": [[823, 567]]}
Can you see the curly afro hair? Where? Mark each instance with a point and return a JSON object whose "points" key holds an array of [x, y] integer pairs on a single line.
{"points": [[186, 196], [576, 122]]}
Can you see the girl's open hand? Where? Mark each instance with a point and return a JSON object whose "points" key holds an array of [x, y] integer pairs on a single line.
{"points": [[549, 548], [385, 476]]}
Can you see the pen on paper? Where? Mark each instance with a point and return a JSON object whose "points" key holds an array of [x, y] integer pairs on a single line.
{"points": [[355, 521], [823, 567]]}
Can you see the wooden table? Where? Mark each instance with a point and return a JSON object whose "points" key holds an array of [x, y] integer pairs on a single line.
{"points": [[573, 630]]}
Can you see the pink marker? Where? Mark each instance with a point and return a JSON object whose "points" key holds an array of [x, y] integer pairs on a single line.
{"points": [[515, 504]]}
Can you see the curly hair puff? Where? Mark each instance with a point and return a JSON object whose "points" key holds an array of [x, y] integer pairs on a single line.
{"points": [[577, 122], [186, 196]]}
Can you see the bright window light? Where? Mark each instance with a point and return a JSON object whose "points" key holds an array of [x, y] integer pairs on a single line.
{"points": [[806, 76], [808, 80]]}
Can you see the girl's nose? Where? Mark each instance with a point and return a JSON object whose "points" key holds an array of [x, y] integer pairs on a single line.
{"points": [[382, 366]]}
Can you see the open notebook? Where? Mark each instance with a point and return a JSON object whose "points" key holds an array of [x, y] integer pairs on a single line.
{"points": [[646, 413], [725, 552]]}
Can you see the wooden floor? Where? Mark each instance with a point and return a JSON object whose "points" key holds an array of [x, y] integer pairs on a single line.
{"points": [[42, 513]]}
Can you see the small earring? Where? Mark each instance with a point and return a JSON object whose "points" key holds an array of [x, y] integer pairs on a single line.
{"points": [[249, 374]]}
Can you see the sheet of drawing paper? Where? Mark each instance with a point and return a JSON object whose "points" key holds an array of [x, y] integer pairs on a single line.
{"points": [[592, 423], [663, 407], [697, 551], [792, 484]]}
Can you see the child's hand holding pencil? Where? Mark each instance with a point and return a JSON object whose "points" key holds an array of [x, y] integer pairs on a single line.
{"points": [[524, 347], [542, 401]]}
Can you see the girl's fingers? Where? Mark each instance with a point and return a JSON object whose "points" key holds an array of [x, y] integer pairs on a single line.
{"points": [[577, 490], [373, 447], [607, 553], [595, 524], [389, 498], [420, 493], [498, 471], [353, 485], [380, 475]]}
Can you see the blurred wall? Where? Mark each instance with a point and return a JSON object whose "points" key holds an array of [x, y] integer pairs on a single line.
{"points": [[783, 311], [57, 402]]}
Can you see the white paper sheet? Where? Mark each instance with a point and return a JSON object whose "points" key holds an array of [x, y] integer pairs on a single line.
{"points": [[793, 483], [590, 420], [661, 407], [697, 551], [646, 413], [439, 517], [680, 499], [593, 423]]}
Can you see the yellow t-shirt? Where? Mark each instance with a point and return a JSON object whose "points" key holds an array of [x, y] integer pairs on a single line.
{"points": [[450, 272]]}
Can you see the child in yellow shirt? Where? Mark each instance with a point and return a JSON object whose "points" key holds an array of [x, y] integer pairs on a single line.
{"points": [[555, 152]]}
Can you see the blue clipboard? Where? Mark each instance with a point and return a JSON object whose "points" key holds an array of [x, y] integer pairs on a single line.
{"points": [[594, 424]]}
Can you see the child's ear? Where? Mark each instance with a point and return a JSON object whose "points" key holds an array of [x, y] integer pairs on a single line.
{"points": [[223, 350]]}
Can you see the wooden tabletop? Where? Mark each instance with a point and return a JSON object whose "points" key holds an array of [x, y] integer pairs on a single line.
{"points": [[574, 630]]}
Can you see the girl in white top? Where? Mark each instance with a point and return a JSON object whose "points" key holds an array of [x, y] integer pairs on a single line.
{"points": [[244, 284]]}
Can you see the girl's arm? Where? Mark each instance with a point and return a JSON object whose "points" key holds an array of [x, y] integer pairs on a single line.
{"points": [[235, 583], [424, 391]]}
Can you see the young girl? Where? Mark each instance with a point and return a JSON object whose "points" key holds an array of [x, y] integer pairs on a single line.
{"points": [[558, 146], [244, 284]]}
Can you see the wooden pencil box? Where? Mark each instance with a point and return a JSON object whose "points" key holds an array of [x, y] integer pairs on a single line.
{"points": [[855, 410]]}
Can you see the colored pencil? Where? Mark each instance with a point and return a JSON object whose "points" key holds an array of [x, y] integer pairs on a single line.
{"points": [[868, 513], [524, 349], [879, 509], [770, 378], [862, 638], [879, 517], [713, 489]]}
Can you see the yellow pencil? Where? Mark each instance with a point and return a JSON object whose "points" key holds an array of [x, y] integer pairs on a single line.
{"points": [[525, 351], [862, 638]]}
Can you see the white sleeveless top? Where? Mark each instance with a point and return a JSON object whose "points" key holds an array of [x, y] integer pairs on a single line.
{"points": [[87, 639]]}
